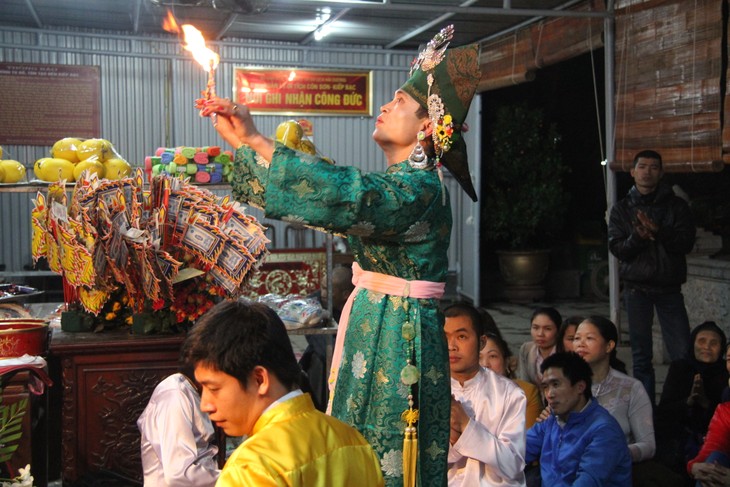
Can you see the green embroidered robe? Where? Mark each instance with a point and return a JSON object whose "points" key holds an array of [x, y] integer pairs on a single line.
{"points": [[396, 224]]}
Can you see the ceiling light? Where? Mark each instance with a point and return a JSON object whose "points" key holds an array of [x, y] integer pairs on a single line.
{"points": [[323, 15], [323, 31]]}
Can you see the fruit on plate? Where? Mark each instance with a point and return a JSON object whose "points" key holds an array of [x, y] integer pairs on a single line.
{"points": [[99, 149], [116, 168], [91, 165], [53, 169], [13, 171], [66, 149], [290, 133]]}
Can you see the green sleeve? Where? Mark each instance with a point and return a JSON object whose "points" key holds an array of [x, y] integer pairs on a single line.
{"points": [[401, 203], [250, 175]]}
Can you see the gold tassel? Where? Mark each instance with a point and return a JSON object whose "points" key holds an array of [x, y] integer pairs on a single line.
{"points": [[410, 445]]}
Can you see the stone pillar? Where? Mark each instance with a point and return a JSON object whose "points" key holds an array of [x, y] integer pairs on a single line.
{"points": [[707, 291]]}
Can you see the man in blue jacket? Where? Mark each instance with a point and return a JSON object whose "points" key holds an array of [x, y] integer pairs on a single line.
{"points": [[650, 231], [580, 444]]}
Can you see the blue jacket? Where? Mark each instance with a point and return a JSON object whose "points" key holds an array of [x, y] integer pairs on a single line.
{"points": [[590, 450]]}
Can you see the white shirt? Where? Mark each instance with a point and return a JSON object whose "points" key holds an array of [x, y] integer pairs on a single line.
{"points": [[176, 437], [627, 401], [491, 449]]}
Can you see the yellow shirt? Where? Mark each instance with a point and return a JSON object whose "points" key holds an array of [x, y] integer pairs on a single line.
{"points": [[293, 444], [534, 402]]}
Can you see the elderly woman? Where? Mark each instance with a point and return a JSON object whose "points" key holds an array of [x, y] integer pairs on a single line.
{"points": [[390, 356], [691, 392]]}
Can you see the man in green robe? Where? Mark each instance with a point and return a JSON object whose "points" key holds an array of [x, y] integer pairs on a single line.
{"points": [[391, 369]]}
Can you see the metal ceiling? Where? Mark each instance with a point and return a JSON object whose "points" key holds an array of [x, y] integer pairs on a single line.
{"points": [[401, 24]]}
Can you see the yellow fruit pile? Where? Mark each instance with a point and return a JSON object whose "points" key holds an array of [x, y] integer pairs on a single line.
{"points": [[11, 171], [71, 156]]}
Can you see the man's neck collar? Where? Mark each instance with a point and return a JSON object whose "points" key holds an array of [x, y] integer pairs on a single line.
{"points": [[581, 406]]}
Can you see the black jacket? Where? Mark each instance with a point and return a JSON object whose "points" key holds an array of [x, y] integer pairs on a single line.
{"points": [[657, 265]]}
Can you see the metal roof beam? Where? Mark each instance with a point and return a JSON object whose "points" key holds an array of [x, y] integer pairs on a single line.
{"points": [[412, 7], [34, 13]]}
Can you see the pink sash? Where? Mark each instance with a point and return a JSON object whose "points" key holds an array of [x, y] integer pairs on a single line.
{"points": [[379, 283]]}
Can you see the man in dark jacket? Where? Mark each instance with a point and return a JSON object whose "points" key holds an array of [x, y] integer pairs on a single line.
{"points": [[650, 231]]}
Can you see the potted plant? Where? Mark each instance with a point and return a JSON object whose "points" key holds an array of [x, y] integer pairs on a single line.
{"points": [[524, 200]]}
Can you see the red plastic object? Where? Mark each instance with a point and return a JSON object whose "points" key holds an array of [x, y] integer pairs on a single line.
{"points": [[23, 336]]}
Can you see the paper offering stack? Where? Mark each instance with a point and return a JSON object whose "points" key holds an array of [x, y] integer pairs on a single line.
{"points": [[114, 235]]}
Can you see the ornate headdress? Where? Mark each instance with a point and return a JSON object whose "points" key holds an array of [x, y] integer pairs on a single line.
{"points": [[443, 82]]}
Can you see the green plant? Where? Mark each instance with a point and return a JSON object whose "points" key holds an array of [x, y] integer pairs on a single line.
{"points": [[524, 201], [11, 424]]}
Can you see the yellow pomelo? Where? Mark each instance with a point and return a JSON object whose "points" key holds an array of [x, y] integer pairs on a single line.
{"points": [[99, 149], [290, 133], [116, 168], [53, 169], [14, 171], [37, 167], [90, 165], [66, 149], [2, 174]]}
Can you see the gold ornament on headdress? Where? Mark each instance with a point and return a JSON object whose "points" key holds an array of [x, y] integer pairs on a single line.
{"points": [[427, 61], [430, 57]]}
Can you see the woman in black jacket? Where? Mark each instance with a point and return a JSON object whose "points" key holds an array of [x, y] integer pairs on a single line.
{"points": [[692, 390]]}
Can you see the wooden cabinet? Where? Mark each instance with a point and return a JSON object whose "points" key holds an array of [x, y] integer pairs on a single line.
{"points": [[106, 381]]}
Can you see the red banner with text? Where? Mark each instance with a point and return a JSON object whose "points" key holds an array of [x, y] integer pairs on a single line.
{"points": [[303, 91]]}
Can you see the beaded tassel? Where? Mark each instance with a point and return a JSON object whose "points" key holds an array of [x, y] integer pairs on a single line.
{"points": [[409, 376]]}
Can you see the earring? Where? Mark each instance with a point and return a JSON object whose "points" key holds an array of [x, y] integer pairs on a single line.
{"points": [[417, 158]]}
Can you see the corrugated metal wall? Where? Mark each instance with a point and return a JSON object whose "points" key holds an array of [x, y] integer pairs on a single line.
{"points": [[148, 86]]}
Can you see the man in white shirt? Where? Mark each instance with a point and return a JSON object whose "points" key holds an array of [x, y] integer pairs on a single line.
{"points": [[487, 440], [177, 437]]}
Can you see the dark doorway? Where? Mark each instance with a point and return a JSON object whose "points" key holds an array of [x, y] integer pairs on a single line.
{"points": [[571, 94]]}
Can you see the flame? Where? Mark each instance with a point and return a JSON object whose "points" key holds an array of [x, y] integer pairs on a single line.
{"points": [[170, 24], [194, 42]]}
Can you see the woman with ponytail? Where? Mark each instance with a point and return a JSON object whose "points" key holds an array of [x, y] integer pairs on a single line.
{"points": [[623, 396]]}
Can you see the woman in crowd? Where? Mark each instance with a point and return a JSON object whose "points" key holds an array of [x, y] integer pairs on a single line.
{"points": [[691, 392], [624, 397], [496, 356], [711, 466], [390, 356], [544, 326], [566, 333]]}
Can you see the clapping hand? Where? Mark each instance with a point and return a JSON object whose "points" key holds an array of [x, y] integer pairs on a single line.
{"points": [[644, 226], [697, 396]]}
